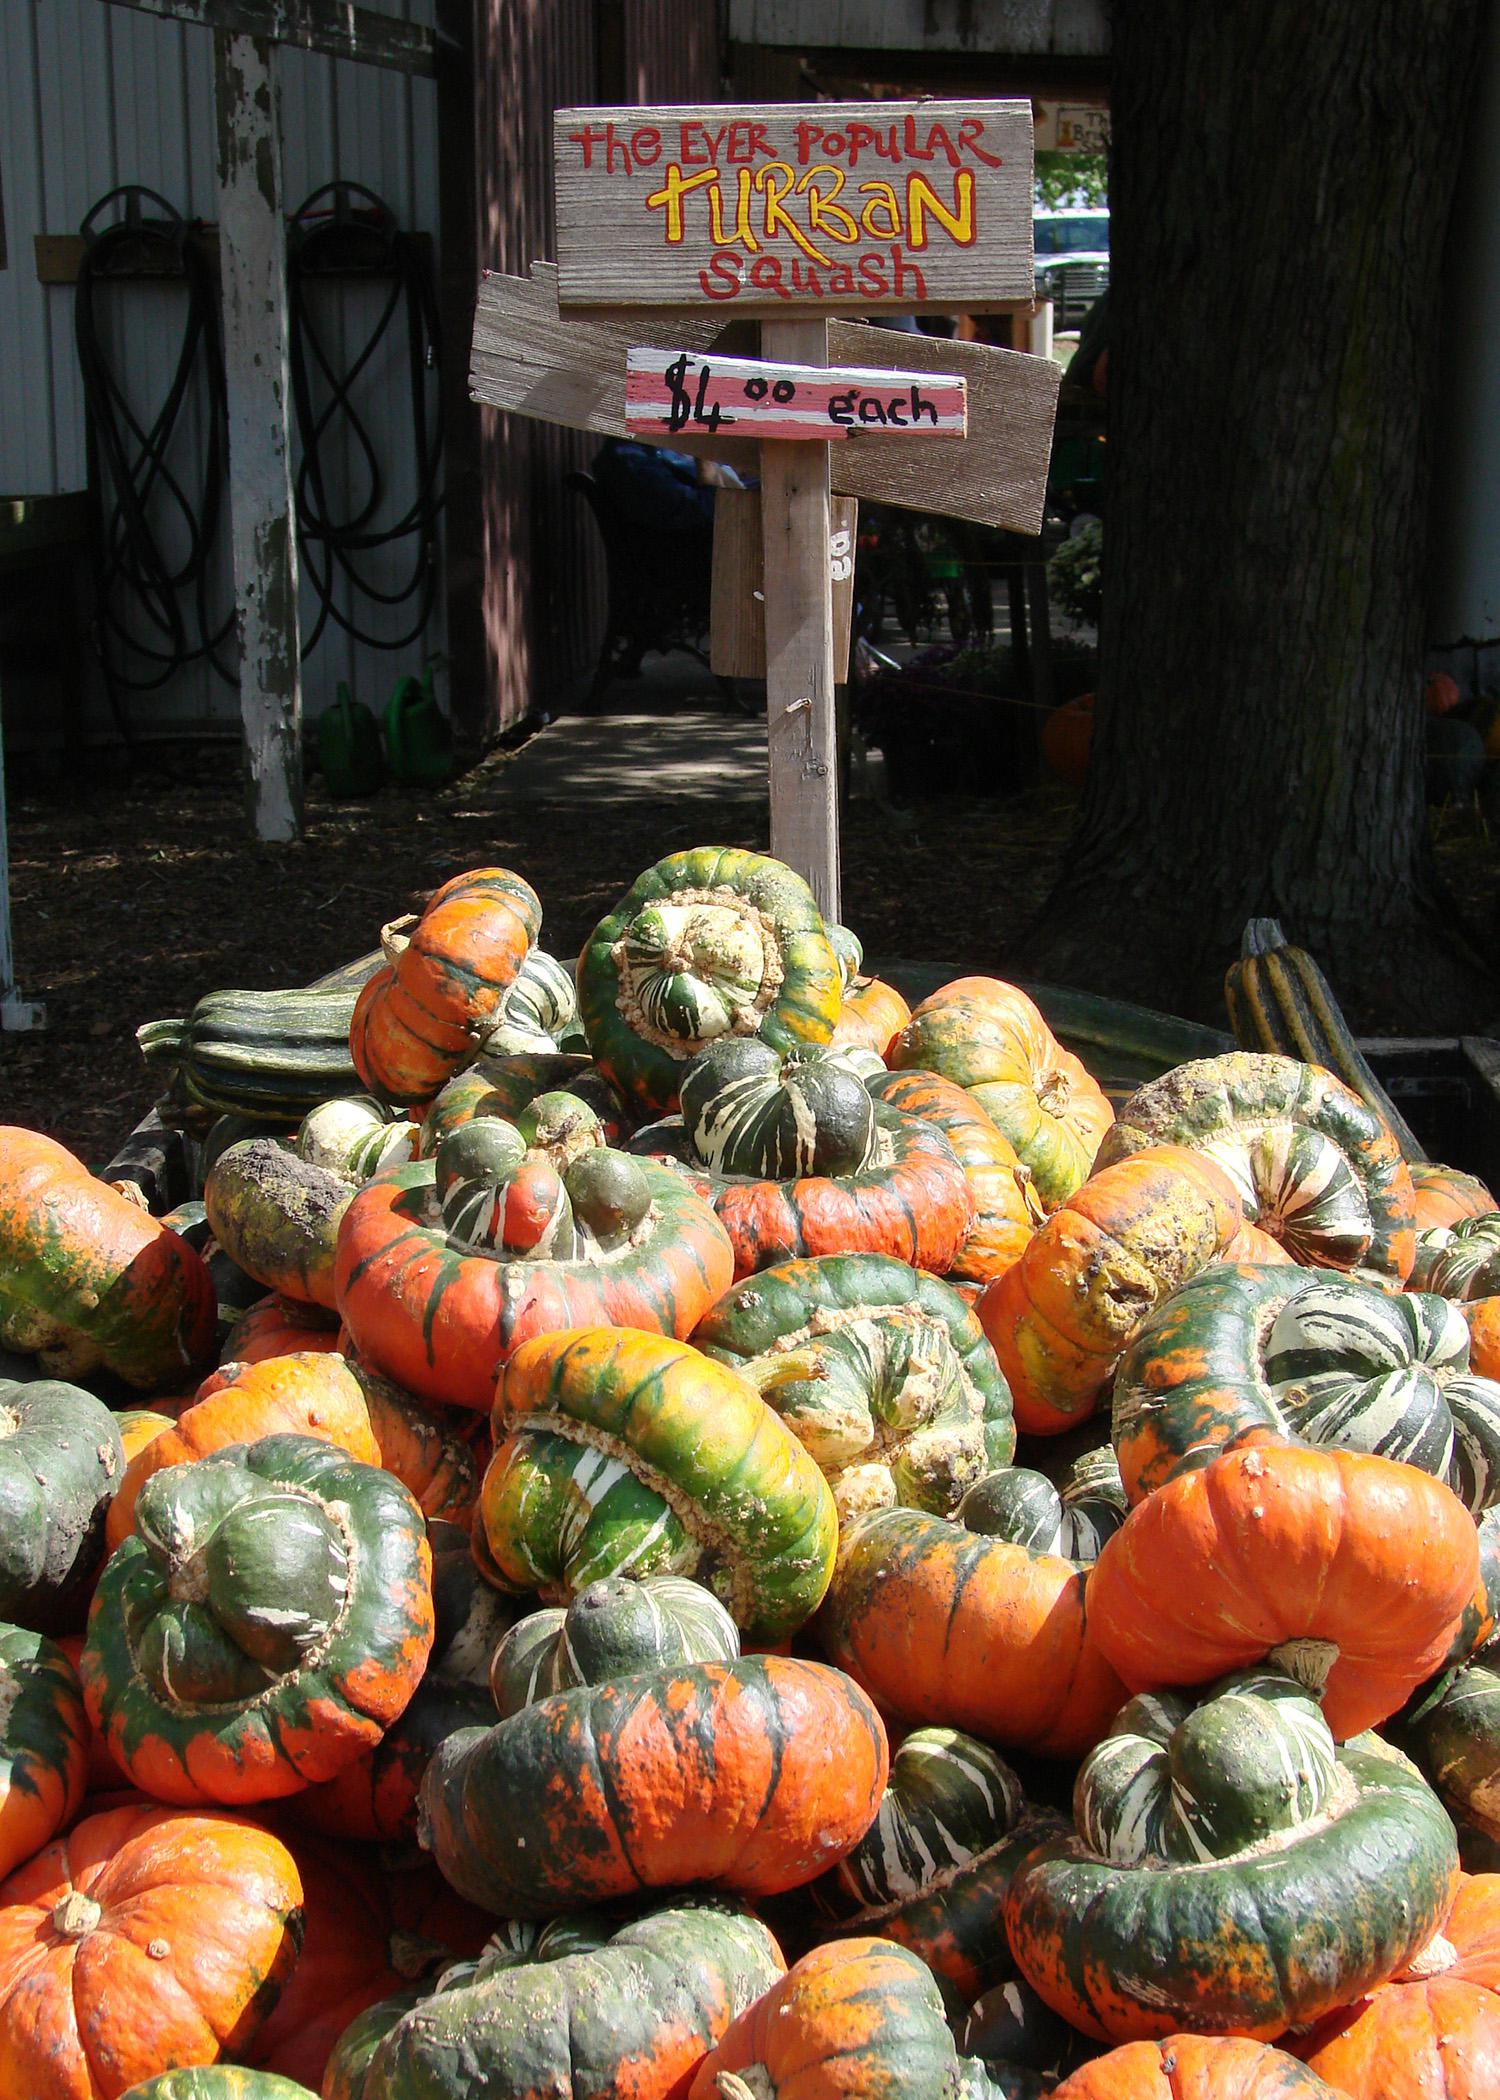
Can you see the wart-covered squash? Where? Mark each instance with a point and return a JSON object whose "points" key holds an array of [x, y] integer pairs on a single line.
{"points": [[625, 1453], [1354, 1571], [709, 943], [940, 1625], [440, 1314], [142, 1940], [1232, 1871], [267, 1620], [881, 1372], [773, 1769], [90, 1280], [1312, 1163], [989, 1037], [1310, 1358], [580, 2005], [1061, 1316]]}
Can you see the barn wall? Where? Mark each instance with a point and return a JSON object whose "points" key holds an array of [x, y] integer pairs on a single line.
{"points": [[93, 95]]}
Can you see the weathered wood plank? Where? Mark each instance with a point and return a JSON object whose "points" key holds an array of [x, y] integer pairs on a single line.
{"points": [[801, 731], [772, 208], [669, 392], [253, 288], [737, 601], [331, 26]]}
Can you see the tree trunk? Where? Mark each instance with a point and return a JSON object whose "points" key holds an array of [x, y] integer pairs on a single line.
{"points": [[1281, 181]]}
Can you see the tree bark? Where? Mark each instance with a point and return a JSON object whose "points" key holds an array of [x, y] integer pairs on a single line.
{"points": [[1281, 181]]}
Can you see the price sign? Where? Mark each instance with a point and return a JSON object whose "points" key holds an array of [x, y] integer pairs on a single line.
{"points": [[669, 393]]}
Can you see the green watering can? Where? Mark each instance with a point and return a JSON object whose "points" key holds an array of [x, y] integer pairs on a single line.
{"points": [[349, 747], [418, 735]]}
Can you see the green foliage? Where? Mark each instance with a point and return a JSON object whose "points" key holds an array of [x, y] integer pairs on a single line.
{"points": [[1075, 572], [1071, 179]]}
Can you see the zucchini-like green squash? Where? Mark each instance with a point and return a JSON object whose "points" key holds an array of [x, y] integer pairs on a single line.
{"points": [[620, 1452], [440, 1318], [1232, 1872], [879, 1369], [276, 1215], [614, 1628], [267, 1621], [1311, 1358], [580, 2008], [774, 1768], [707, 943], [61, 1460], [1312, 1163], [911, 1199], [267, 1056]]}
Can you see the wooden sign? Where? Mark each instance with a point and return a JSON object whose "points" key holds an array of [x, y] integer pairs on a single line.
{"points": [[670, 391], [796, 208], [532, 360]]}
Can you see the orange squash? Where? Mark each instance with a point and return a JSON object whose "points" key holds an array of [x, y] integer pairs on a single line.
{"points": [[1061, 1317], [1196, 2067], [1007, 1210], [873, 1011], [1444, 1195], [1483, 1316]]}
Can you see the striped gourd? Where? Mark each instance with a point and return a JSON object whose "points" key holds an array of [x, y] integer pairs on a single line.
{"points": [[1461, 1261], [1181, 1779], [949, 1798], [1278, 999], [356, 1136], [538, 1005], [750, 1111], [268, 1056], [1072, 1521], [1365, 1370], [614, 1628]]}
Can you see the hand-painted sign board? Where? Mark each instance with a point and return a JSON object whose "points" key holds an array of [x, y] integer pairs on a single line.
{"points": [[668, 392], [811, 207]]}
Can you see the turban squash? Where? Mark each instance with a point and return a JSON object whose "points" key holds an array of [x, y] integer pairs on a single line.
{"points": [[579, 2006], [773, 1768], [881, 1371], [1196, 2067], [268, 1619], [440, 1318], [990, 1038], [1444, 1194], [1313, 1164], [940, 1625], [1359, 1568], [1007, 1210], [44, 1736], [614, 1628], [1231, 1872], [624, 1452], [709, 943], [1310, 1357], [1060, 1317]]}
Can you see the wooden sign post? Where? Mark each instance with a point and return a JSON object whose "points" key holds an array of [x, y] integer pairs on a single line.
{"points": [[670, 222]]}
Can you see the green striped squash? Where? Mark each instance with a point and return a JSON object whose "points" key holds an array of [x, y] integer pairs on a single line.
{"points": [[614, 1628], [1072, 1520], [749, 1111], [1460, 1261], [538, 1005], [355, 1136]]}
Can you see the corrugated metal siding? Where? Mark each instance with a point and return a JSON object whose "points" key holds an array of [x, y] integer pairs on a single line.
{"points": [[543, 575], [93, 95]]}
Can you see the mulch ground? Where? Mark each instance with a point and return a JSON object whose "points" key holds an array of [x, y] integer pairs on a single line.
{"points": [[138, 894]]}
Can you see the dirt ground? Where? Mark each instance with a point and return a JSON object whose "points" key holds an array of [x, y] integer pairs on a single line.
{"points": [[133, 896]]}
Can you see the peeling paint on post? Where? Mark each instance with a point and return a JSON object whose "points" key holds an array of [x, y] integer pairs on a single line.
{"points": [[252, 250]]}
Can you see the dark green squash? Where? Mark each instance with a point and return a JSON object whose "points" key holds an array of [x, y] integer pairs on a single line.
{"points": [[1071, 1520], [749, 1111], [61, 1460], [614, 1628]]}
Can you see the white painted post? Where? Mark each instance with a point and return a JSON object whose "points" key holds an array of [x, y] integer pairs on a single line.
{"points": [[802, 736], [252, 264]]}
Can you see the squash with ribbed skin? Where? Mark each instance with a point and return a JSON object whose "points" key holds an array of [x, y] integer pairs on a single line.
{"points": [[355, 1136], [1444, 1195], [61, 1459], [1311, 1163], [749, 1111], [1455, 1738], [580, 2007], [1007, 1209], [1061, 1317], [1433, 2031], [880, 1371], [858, 2017], [990, 1038], [942, 1626], [423, 1014], [624, 1452], [504, 1086], [1355, 1571], [142, 1940], [1195, 2067], [1071, 1520], [873, 1012], [539, 1004], [1460, 1261], [774, 1769], [614, 1628], [267, 1620], [1311, 1358], [89, 1279], [707, 943], [910, 1200], [440, 1318], [1231, 1871], [44, 1736], [217, 2082]]}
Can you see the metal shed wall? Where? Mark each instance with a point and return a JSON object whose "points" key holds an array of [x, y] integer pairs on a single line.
{"points": [[92, 95]]}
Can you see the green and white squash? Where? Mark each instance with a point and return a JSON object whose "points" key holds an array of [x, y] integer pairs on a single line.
{"points": [[539, 1006], [356, 1136], [1072, 1519], [614, 1628], [1460, 1261], [750, 1111]]}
